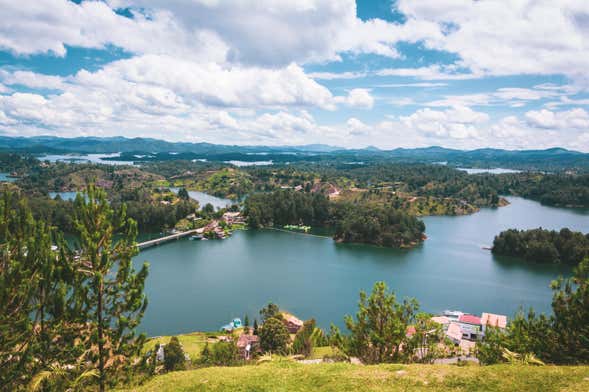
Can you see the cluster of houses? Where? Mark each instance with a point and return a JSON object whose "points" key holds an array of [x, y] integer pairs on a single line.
{"points": [[465, 329], [214, 228], [249, 344]]}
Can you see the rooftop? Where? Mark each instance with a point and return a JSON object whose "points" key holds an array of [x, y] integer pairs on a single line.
{"points": [[494, 320], [470, 319]]}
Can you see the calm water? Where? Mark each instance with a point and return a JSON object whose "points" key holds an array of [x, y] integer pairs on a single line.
{"points": [[497, 170], [5, 177], [85, 158], [204, 199], [64, 195], [200, 285]]}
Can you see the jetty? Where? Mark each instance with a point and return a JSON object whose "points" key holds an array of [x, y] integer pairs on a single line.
{"points": [[161, 240]]}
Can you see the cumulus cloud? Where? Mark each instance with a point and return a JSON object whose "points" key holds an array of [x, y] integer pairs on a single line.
{"points": [[509, 37], [459, 122], [357, 97], [568, 119]]}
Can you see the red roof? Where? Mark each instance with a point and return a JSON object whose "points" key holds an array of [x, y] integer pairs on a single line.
{"points": [[410, 331], [469, 319]]}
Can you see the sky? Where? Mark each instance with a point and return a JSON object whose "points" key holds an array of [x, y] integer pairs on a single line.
{"points": [[462, 74]]}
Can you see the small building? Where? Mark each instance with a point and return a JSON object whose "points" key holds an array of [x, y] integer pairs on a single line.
{"points": [[471, 326], [292, 323], [494, 320], [247, 345], [233, 217], [443, 320], [454, 332], [410, 331], [453, 315], [234, 324]]}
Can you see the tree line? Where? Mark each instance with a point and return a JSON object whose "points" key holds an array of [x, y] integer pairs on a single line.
{"points": [[543, 246], [351, 222]]}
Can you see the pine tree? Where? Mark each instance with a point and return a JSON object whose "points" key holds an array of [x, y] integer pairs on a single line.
{"points": [[113, 297], [34, 280], [381, 323]]}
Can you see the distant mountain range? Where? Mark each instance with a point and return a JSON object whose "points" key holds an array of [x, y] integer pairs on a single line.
{"points": [[153, 149]]}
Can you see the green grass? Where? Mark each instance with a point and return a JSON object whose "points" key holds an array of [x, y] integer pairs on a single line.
{"points": [[284, 375], [193, 343]]}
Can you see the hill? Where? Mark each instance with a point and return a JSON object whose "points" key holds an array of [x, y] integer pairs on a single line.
{"points": [[290, 376], [552, 159]]}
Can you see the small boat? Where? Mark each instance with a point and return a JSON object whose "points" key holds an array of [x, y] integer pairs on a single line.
{"points": [[196, 237]]}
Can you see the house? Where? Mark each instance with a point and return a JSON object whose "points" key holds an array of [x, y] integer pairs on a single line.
{"points": [[494, 320], [233, 217], [247, 345], [410, 331], [472, 328], [443, 320], [292, 323], [453, 315], [454, 332], [234, 324]]}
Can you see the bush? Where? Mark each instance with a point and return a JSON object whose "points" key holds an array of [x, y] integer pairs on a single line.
{"points": [[174, 355], [274, 336], [303, 343], [220, 354]]}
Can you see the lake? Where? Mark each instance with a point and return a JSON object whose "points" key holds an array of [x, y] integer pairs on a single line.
{"points": [[201, 285], [64, 195], [496, 170], [85, 158], [204, 198], [5, 177]]}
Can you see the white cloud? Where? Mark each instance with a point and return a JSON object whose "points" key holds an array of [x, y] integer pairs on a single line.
{"points": [[504, 37], [31, 79], [358, 97], [459, 122], [570, 119]]}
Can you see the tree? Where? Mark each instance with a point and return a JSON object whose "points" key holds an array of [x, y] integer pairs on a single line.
{"points": [[380, 329], [255, 326], [570, 305], [274, 336], [36, 324], [246, 321], [183, 194], [174, 355], [271, 310], [303, 343], [112, 293]]}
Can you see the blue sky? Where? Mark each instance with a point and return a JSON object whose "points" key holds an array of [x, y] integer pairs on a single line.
{"points": [[456, 73]]}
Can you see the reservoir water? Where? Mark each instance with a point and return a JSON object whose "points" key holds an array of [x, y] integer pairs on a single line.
{"points": [[200, 285]]}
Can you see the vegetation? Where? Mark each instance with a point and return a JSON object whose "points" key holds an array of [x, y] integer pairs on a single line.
{"points": [[543, 246], [281, 375], [68, 317], [562, 338], [174, 355], [379, 331], [369, 223], [274, 336], [304, 342]]}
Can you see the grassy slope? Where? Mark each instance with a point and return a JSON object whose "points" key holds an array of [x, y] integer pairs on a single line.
{"points": [[291, 376]]}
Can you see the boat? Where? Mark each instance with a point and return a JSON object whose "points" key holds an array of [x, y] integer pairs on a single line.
{"points": [[196, 237]]}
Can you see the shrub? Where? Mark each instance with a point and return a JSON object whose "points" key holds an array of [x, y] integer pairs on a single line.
{"points": [[174, 355]]}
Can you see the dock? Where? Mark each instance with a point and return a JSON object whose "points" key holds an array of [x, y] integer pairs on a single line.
{"points": [[161, 240]]}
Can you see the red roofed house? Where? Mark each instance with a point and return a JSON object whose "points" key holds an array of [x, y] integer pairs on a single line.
{"points": [[471, 326], [292, 323], [248, 345], [410, 331]]}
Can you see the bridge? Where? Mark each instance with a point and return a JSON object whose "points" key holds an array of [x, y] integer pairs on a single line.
{"points": [[161, 240]]}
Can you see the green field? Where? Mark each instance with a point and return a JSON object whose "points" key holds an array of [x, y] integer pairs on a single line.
{"points": [[286, 375]]}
